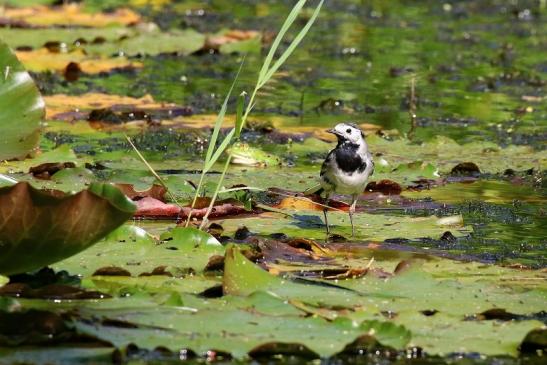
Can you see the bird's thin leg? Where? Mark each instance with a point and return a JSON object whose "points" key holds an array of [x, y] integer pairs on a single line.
{"points": [[351, 211], [325, 209]]}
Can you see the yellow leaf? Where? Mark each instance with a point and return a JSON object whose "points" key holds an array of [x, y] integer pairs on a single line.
{"points": [[69, 14], [61, 103], [43, 60]]}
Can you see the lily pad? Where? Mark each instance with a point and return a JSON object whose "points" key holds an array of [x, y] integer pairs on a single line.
{"points": [[425, 299], [152, 43], [39, 228], [21, 108], [131, 248], [373, 227]]}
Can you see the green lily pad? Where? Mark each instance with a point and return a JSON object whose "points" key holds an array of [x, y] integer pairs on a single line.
{"points": [[433, 295], [131, 248], [373, 227], [246, 46], [232, 330], [128, 41], [39, 228], [446, 153], [21, 108], [152, 43]]}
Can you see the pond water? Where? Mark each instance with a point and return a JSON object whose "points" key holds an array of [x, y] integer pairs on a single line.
{"points": [[479, 67], [473, 73], [479, 74]]}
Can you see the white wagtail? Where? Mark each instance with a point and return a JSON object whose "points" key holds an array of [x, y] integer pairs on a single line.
{"points": [[347, 167]]}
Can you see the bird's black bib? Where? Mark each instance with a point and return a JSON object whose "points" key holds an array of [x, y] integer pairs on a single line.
{"points": [[347, 158]]}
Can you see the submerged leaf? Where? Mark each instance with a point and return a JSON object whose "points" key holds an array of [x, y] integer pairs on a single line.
{"points": [[39, 227]]}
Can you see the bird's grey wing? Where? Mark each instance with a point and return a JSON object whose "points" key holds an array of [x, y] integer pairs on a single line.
{"points": [[327, 164]]}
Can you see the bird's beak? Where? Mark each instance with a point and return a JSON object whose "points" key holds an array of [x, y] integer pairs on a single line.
{"points": [[332, 130]]}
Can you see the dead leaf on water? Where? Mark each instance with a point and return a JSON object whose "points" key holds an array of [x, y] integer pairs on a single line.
{"points": [[231, 36], [69, 14], [42, 59], [61, 103]]}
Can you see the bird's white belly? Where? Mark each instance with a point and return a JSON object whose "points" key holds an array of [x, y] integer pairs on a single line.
{"points": [[349, 184]]}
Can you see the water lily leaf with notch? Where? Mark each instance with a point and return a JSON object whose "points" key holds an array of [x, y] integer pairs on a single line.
{"points": [[133, 249], [21, 108], [39, 228]]}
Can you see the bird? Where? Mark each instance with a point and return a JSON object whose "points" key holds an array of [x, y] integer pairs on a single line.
{"points": [[346, 168]]}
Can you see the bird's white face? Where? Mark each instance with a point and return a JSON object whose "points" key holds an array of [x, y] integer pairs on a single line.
{"points": [[347, 132]]}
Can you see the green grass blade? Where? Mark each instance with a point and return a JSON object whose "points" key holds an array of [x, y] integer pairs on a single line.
{"points": [[151, 169], [213, 155], [281, 60], [220, 117], [239, 113], [225, 142], [215, 194], [286, 25]]}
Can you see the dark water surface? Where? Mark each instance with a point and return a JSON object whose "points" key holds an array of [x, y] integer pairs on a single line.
{"points": [[479, 66]]}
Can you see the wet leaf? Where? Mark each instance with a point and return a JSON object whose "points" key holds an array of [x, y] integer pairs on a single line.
{"points": [[133, 249], [21, 108], [60, 226]]}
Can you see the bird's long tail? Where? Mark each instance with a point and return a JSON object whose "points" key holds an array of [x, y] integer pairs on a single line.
{"points": [[316, 189]]}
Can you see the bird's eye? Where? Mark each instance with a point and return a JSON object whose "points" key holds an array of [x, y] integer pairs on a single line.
{"points": [[348, 131]]}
